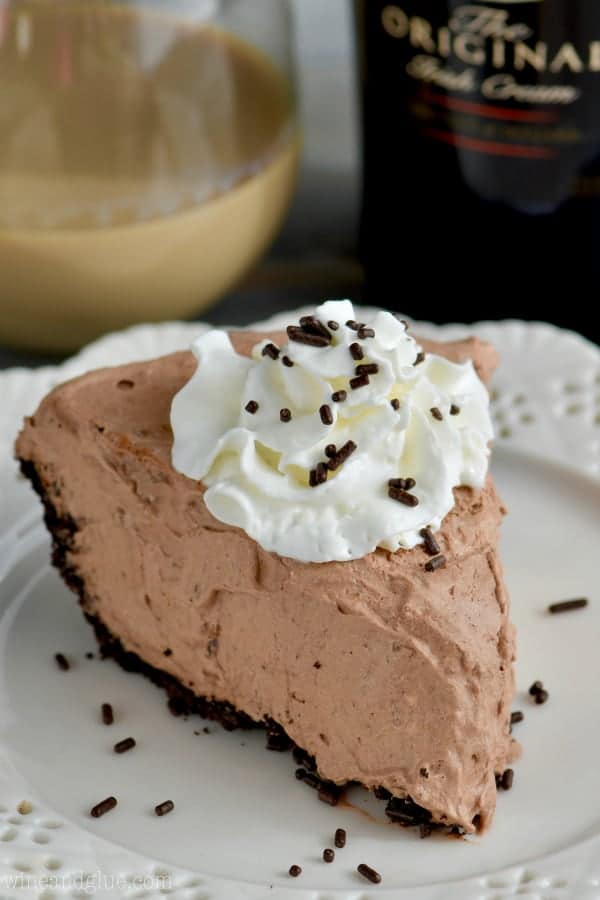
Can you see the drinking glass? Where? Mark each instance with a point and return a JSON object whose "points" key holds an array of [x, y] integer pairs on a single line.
{"points": [[148, 153]]}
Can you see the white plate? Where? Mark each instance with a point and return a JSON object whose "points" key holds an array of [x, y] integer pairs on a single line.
{"points": [[241, 819]]}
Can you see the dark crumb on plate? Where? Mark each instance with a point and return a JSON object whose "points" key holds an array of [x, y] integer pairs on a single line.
{"points": [[62, 662], [304, 759], [382, 793], [329, 793], [277, 739]]}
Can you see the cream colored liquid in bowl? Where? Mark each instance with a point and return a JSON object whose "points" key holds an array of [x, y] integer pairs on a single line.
{"points": [[145, 164]]}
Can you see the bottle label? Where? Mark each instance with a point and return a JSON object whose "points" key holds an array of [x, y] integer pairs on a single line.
{"points": [[515, 78]]}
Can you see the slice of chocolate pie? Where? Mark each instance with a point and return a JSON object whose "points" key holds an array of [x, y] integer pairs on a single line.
{"points": [[299, 531]]}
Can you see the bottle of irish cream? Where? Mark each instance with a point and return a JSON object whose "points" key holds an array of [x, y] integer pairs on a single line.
{"points": [[482, 157]]}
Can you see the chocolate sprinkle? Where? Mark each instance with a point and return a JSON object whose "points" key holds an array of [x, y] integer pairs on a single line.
{"points": [[359, 381], [62, 662], [330, 451], [567, 605], [340, 838], [271, 350], [318, 475], [369, 873], [352, 324], [300, 336], [287, 361], [395, 403], [507, 780], [368, 369], [438, 562], [339, 396], [436, 413], [328, 855], [402, 496], [429, 542], [163, 808], [333, 326], [107, 714], [538, 692], [341, 456], [356, 351], [516, 717], [124, 745], [295, 871], [312, 325], [251, 407], [285, 414], [419, 359], [454, 409], [103, 807], [326, 415], [405, 484], [364, 332]]}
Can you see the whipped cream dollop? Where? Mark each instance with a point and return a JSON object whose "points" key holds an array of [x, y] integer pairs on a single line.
{"points": [[345, 439]]}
